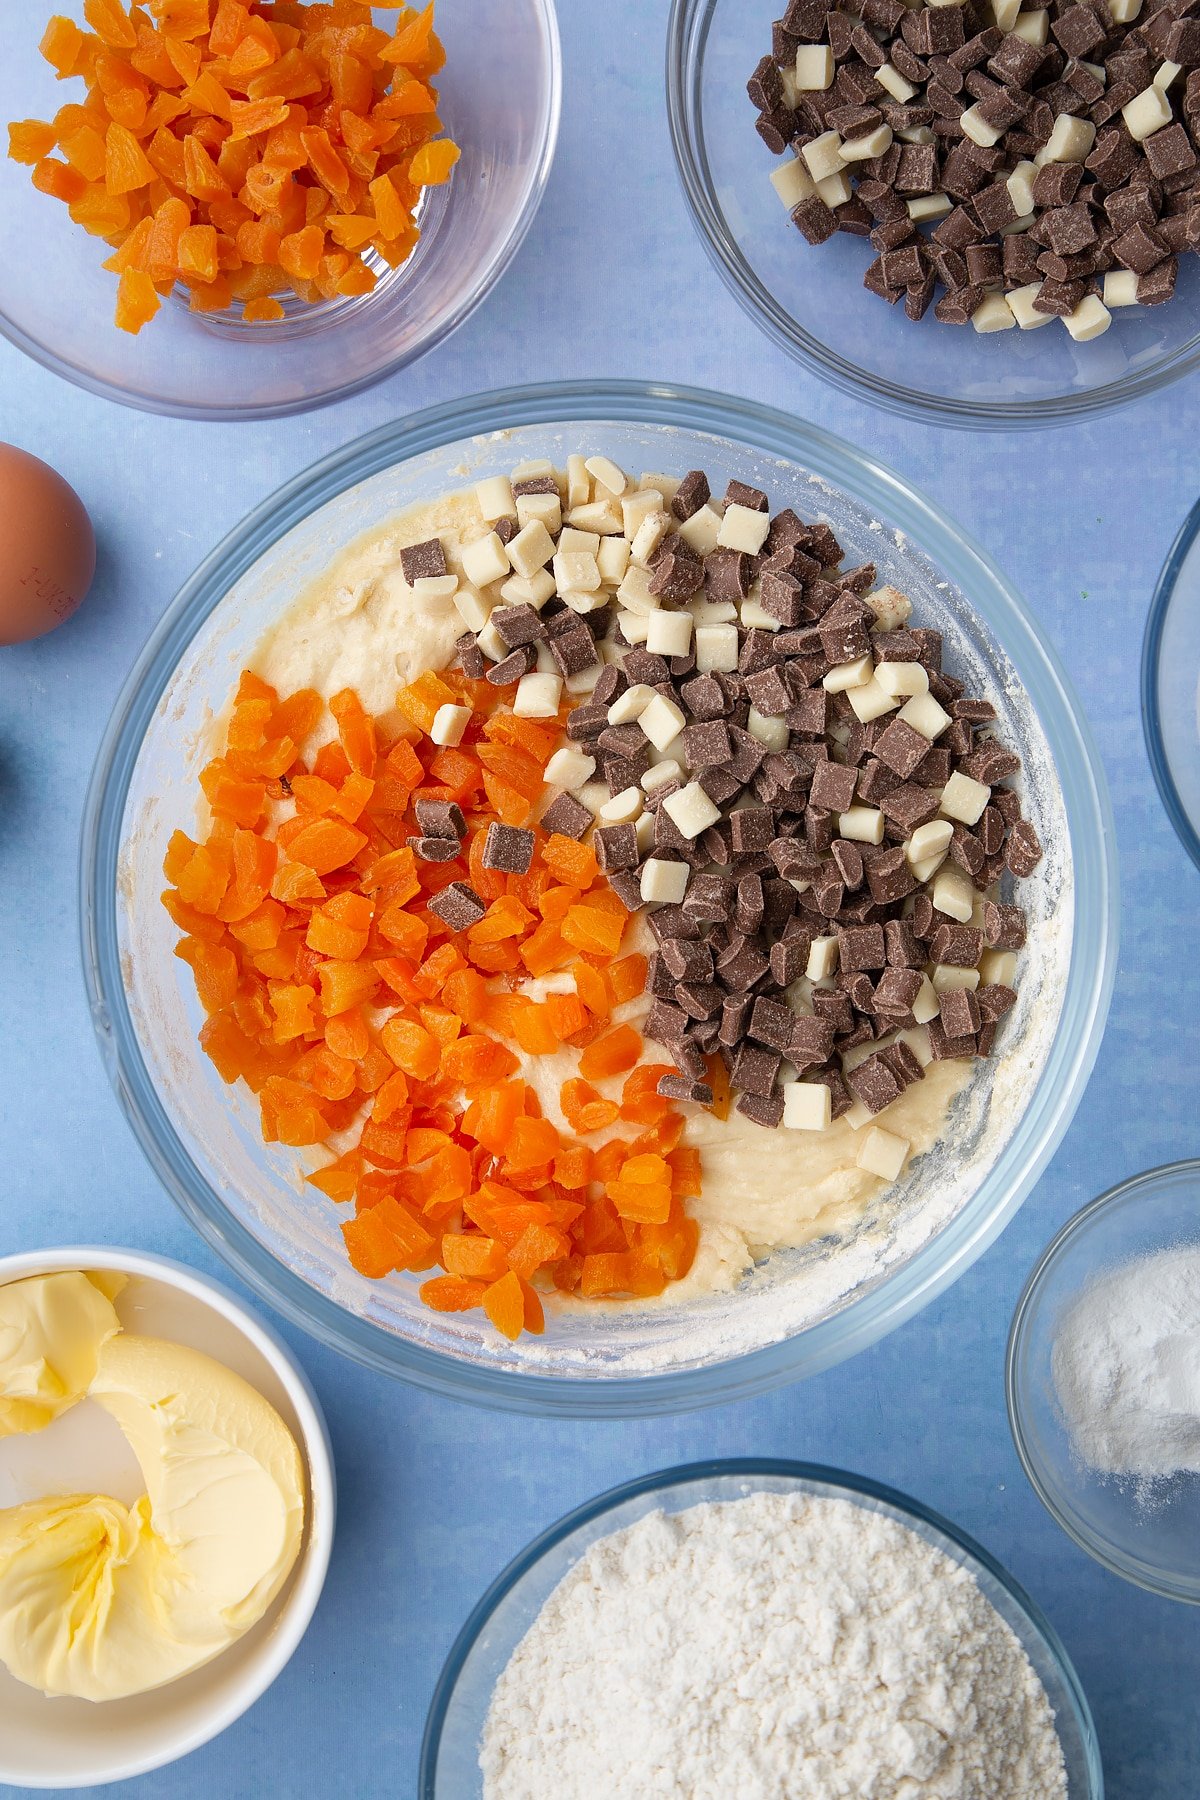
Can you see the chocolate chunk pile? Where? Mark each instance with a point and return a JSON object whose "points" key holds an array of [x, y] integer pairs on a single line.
{"points": [[1050, 154], [767, 756]]}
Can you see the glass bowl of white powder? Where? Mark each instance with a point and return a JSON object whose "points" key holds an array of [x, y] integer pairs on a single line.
{"points": [[783, 1298], [1104, 1380], [757, 1627]]}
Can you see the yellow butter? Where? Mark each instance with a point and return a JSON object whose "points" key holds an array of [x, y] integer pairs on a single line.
{"points": [[52, 1328]]}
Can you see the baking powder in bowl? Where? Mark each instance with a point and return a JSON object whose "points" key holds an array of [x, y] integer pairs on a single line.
{"points": [[777, 1647]]}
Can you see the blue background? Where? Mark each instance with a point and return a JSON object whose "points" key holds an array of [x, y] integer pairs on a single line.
{"points": [[435, 1497]]}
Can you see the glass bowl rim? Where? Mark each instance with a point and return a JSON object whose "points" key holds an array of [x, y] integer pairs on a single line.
{"points": [[689, 21], [1076, 1043], [1156, 623], [440, 329], [1097, 1547], [687, 1474]]}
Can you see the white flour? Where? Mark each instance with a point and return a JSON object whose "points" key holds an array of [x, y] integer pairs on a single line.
{"points": [[1127, 1367], [777, 1647]]}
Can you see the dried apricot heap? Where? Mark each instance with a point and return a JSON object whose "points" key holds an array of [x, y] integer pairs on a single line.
{"points": [[239, 149], [362, 924]]}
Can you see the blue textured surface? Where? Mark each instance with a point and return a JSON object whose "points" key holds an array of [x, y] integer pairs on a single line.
{"points": [[435, 1498]]}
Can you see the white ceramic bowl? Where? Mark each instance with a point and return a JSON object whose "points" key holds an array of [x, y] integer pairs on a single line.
{"points": [[74, 1743]]}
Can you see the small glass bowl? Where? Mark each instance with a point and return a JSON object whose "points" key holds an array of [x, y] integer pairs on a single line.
{"points": [[454, 1729], [812, 302], [1171, 685], [499, 99], [801, 1310], [1150, 1537]]}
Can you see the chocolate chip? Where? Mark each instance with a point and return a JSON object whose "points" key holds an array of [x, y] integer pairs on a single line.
{"points": [[1023, 850], [469, 657], [458, 905], [431, 849], [961, 945], [994, 1000], [873, 1083], [692, 493], [678, 1087], [508, 848], [861, 947], [511, 669], [761, 1109], [755, 1069], [422, 561], [566, 817], [959, 1013], [440, 819], [896, 990]]}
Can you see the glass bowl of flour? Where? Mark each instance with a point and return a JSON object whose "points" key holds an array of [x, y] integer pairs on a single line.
{"points": [[1104, 1380], [757, 1627], [775, 1303]]}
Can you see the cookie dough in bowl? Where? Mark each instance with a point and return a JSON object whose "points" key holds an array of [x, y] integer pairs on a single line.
{"points": [[815, 1228]]}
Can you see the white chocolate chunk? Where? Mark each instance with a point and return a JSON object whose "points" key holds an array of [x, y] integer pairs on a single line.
{"points": [[902, 677], [658, 774], [634, 591], [1020, 188], [924, 714], [953, 895], [1034, 27], [1124, 12], [535, 591], [882, 1153], [928, 867], [636, 508], [449, 724], [534, 469], [545, 508], [928, 1003], [949, 976], [856, 1116], [792, 182], [964, 799], [531, 549], [582, 681], [978, 129], [537, 696], [1020, 301], [644, 831], [716, 649], [596, 515], [1166, 74], [662, 721], [485, 560], [890, 78], [473, 609], [890, 607], [822, 958], [579, 485], [849, 675], [691, 811], [571, 539], [993, 314], [755, 617], [928, 206], [701, 531], [631, 704], [612, 559], [669, 633], [814, 68], [930, 839], [576, 571], [823, 156], [835, 190], [494, 497], [743, 529], [622, 809], [604, 470], [666, 485], [650, 534], [1120, 288], [437, 587], [917, 1039], [871, 701], [807, 1105], [1090, 319], [1070, 140], [999, 967], [772, 733], [1146, 113], [862, 825], [663, 883], [871, 143], [712, 612], [491, 643], [1005, 13], [634, 627], [570, 768]]}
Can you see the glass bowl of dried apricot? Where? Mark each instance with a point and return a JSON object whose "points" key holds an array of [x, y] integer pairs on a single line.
{"points": [[598, 898], [245, 208]]}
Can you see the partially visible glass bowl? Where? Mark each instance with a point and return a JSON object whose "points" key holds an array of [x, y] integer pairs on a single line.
{"points": [[812, 302], [454, 1729], [499, 99], [1171, 685], [801, 1310], [1149, 1535]]}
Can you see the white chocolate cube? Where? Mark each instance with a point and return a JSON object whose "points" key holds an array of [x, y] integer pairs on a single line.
{"points": [[638, 507], [622, 809], [669, 633], [849, 675], [871, 143], [449, 724], [953, 895], [609, 475], [485, 560], [663, 883], [537, 696], [1120, 288], [862, 825], [545, 508], [612, 560], [772, 733], [792, 182], [928, 1003], [691, 811], [890, 78], [437, 587], [531, 549], [814, 68], [928, 206], [570, 768], [1070, 140], [1034, 27], [822, 958], [902, 678], [579, 483], [661, 720], [701, 531], [964, 798], [1020, 188], [890, 607], [999, 967], [871, 701], [742, 528], [631, 704], [1146, 113], [978, 129], [931, 839], [1020, 302], [823, 156], [924, 714], [716, 649], [491, 643], [1090, 319], [576, 571], [807, 1105], [494, 498], [993, 314], [882, 1153], [472, 608]]}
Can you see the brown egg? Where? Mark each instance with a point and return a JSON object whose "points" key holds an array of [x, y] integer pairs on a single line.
{"points": [[47, 547]]}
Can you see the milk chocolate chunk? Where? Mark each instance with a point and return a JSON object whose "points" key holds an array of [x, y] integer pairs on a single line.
{"points": [[761, 1109], [1023, 850], [959, 1013], [811, 1040], [771, 1024], [573, 650], [421, 561], [508, 848], [566, 817], [616, 847], [440, 819], [511, 668], [458, 905], [896, 990], [469, 657], [692, 493], [518, 625], [834, 786], [960, 945], [861, 947], [889, 876], [995, 999], [753, 829], [1003, 926], [754, 1069], [431, 849], [679, 1087], [901, 748], [873, 1083]]}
